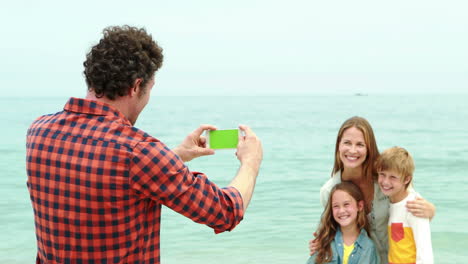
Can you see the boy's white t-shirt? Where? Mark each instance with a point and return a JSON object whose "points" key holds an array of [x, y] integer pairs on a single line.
{"points": [[409, 236]]}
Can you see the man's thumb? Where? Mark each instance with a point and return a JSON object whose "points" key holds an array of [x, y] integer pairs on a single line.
{"points": [[205, 151]]}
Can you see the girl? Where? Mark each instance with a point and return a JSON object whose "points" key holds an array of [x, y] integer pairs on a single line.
{"points": [[342, 236]]}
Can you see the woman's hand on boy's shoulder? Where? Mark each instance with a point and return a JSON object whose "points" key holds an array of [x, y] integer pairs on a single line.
{"points": [[420, 207]]}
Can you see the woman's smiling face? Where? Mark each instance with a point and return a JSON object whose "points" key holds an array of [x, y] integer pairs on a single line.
{"points": [[352, 148]]}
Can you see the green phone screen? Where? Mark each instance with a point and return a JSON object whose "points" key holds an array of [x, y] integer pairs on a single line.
{"points": [[222, 139]]}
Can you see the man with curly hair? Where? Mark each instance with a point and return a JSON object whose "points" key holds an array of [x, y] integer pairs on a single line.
{"points": [[97, 183]]}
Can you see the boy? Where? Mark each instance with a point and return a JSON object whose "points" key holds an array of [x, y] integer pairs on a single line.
{"points": [[409, 236]]}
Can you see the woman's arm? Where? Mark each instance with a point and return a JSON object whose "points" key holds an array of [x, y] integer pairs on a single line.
{"points": [[313, 245]]}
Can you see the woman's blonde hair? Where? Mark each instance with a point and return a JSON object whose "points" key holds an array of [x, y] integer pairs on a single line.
{"points": [[328, 226]]}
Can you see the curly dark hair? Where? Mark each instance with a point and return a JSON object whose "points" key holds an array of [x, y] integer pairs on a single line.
{"points": [[121, 56]]}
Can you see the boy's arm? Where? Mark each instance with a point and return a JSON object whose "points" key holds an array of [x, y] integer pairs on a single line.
{"points": [[422, 237]]}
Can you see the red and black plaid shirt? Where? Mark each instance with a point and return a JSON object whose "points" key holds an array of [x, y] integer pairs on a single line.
{"points": [[97, 184]]}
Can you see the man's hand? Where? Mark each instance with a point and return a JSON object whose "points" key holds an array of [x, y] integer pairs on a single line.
{"points": [[250, 154], [194, 145], [249, 149]]}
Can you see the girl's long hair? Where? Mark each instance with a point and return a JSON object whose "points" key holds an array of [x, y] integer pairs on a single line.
{"points": [[363, 125], [328, 226]]}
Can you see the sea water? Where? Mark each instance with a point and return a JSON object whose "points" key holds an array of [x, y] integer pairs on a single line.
{"points": [[298, 134]]}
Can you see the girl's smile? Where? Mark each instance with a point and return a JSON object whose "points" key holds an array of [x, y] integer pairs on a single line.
{"points": [[345, 209]]}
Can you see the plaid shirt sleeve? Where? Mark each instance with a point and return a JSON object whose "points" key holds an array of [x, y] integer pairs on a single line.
{"points": [[158, 173]]}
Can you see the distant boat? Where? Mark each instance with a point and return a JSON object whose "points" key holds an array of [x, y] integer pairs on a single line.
{"points": [[360, 94]]}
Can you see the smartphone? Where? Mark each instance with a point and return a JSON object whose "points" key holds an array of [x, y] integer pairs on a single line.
{"points": [[222, 139]]}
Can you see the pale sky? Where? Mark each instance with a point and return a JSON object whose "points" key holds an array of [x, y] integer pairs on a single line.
{"points": [[246, 47]]}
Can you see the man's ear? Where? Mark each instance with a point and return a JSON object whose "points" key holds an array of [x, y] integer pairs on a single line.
{"points": [[135, 88]]}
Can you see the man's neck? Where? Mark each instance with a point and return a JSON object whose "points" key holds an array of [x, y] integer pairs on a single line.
{"points": [[120, 103]]}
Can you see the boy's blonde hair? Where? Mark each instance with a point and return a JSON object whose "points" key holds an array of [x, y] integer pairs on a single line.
{"points": [[396, 159]]}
